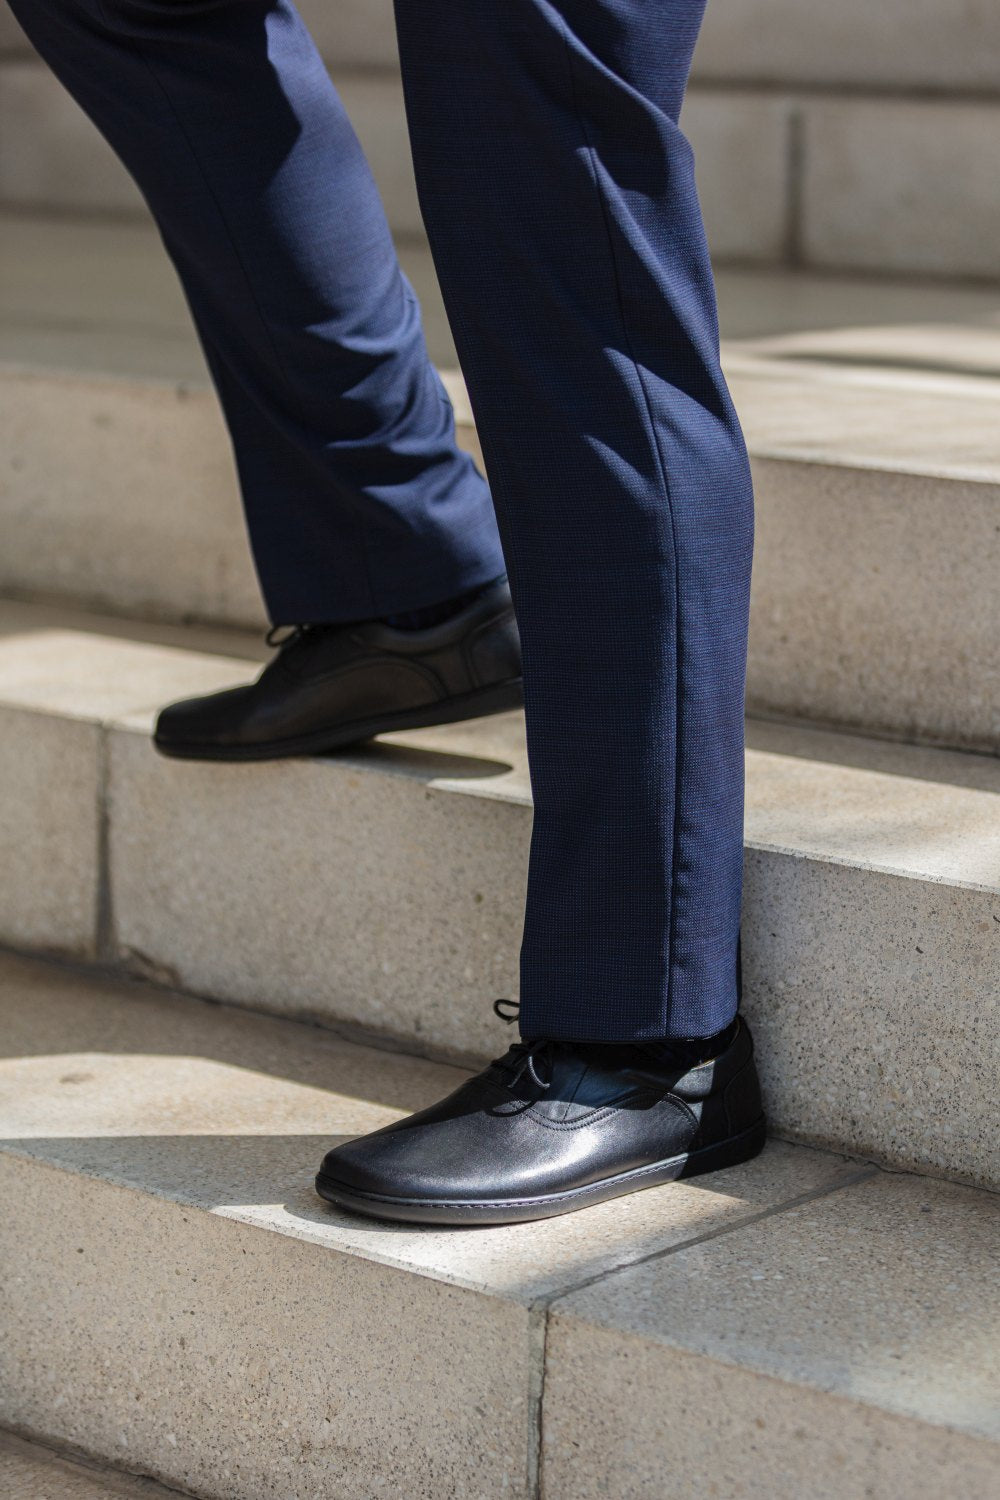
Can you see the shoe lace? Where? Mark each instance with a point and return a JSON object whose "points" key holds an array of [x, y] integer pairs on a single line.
{"points": [[278, 642], [524, 1056]]}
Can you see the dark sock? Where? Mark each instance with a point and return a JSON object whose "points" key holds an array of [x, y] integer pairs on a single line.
{"points": [[688, 1051], [436, 614], [671, 1051], [673, 1054]]}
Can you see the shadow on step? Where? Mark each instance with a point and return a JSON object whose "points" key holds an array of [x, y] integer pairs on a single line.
{"points": [[209, 1171], [884, 757], [267, 1182], [100, 1057], [427, 764], [231, 1113]]}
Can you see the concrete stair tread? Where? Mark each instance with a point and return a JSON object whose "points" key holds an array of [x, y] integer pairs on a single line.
{"points": [[82, 293], [91, 294], [809, 790], [177, 1140], [231, 1113], [870, 409], [911, 810], [33, 1471], [936, 46], [879, 178], [381, 889], [939, 347], [91, 298], [921, 421], [918, 417], [21, 618], [875, 1291]]}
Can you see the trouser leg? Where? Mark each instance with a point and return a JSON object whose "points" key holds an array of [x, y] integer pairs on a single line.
{"points": [[559, 196], [357, 499]]}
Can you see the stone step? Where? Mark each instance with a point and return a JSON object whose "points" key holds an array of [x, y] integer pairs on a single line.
{"points": [[826, 1335], [896, 183], [53, 158], [380, 891], [221, 1329], [923, 46], [83, 293], [943, 46], [34, 1471], [870, 409], [878, 542]]}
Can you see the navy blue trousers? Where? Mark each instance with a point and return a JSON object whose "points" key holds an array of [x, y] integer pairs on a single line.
{"points": [[559, 197]]}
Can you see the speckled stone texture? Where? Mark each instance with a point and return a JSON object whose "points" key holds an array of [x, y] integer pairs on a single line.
{"points": [[903, 185], [846, 1349], [259, 1365], [876, 499], [178, 1300], [936, 44], [49, 830], [744, 211], [131, 504], [385, 890], [29, 1471], [876, 460], [872, 945], [874, 603], [382, 889], [57, 687], [357, 888], [872, 1000]]}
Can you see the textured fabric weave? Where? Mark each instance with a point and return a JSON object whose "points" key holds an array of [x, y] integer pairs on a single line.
{"points": [[559, 195], [560, 200], [358, 501]]}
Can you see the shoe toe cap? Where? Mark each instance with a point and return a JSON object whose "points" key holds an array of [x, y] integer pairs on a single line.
{"points": [[366, 1166], [214, 719], [412, 1165]]}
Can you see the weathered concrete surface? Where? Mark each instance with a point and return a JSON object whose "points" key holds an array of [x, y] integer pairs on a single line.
{"points": [[57, 687], [383, 888], [844, 1349], [944, 46], [878, 533], [746, 207], [901, 185], [30, 1471], [124, 526], [192, 1308]]}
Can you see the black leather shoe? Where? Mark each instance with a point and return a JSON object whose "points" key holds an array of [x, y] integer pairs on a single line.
{"points": [[551, 1127], [333, 685]]}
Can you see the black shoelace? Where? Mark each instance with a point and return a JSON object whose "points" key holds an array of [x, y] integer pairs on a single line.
{"points": [[279, 642], [521, 1058], [643, 1059]]}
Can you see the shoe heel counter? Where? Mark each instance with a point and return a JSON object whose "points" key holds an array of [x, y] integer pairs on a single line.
{"points": [[493, 652], [742, 1098]]}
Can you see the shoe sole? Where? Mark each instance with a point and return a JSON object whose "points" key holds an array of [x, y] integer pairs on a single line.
{"points": [[729, 1153], [495, 699]]}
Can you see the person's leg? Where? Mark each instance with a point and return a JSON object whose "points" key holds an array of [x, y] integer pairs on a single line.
{"points": [[559, 196], [358, 501]]}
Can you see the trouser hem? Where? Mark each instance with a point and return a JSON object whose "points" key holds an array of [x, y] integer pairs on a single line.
{"points": [[410, 585]]}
